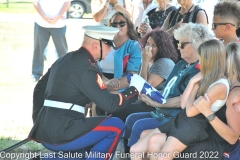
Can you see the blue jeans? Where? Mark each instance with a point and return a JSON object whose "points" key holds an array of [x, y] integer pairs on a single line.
{"points": [[138, 122], [103, 139]]}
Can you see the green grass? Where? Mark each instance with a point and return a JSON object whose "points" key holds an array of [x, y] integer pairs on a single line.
{"points": [[15, 43], [6, 142], [17, 7]]}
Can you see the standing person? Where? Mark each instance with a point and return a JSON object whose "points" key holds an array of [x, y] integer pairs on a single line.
{"points": [[226, 23], [72, 82], [209, 81], [156, 16], [140, 8], [187, 12], [50, 21], [103, 10]]}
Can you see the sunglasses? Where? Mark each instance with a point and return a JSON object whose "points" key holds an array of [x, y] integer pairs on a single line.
{"points": [[214, 25], [182, 44], [121, 24]]}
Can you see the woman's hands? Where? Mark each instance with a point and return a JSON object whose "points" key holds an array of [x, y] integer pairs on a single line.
{"points": [[203, 104], [144, 28], [146, 99], [147, 53]]}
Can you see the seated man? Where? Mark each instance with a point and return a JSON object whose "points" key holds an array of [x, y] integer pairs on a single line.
{"points": [[72, 82]]}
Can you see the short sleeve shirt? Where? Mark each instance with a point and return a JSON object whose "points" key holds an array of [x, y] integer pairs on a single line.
{"points": [[51, 8], [162, 67]]}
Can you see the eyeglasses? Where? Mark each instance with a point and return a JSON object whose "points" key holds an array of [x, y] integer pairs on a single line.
{"points": [[121, 24], [182, 44], [214, 25]]}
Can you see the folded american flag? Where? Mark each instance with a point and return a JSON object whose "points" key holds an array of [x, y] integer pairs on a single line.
{"points": [[150, 91]]}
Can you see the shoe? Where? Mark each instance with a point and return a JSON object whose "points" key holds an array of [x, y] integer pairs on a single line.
{"points": [[35, 78]]}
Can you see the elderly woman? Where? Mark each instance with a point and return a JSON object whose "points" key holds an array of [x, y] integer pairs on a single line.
{"points": [[188, 12], [190, 36], [225, 124]]}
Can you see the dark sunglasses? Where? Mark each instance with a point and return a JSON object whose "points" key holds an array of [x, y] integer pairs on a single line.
{"points": [[214, 25], [182, 44], [121, 24]]}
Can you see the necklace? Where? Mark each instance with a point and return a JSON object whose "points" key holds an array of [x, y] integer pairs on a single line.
{"points": [[184, 15]]}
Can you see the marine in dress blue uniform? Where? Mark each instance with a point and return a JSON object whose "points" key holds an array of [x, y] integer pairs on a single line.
{"points": [[72, 82]]}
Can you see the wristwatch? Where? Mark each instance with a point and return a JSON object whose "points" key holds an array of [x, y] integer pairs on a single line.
{"points": [[211, 117]]}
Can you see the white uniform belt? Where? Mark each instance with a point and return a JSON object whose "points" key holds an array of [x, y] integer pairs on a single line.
{"points": [[63, 105]]}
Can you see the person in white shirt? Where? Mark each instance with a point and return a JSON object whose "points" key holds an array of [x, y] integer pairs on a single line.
{"points": [[50, 21], [103, 10], [140, 8]]}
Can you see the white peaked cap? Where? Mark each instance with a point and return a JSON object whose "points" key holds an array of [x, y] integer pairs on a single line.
{"points": [[100, 32]]}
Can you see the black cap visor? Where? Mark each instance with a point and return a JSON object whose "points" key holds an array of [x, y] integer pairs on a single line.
{"points": [[108, 42]]}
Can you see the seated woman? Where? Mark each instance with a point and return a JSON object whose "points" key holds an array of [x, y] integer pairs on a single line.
{"points": [[122, 59], [126, 54], [158, 57], [171, 137]]}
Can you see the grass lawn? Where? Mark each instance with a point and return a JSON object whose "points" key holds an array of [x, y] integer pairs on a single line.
{"points": [[17, 7], [16, 88]]}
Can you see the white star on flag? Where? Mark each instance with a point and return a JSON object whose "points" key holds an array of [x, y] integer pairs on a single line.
{"points": [[148, 91]]}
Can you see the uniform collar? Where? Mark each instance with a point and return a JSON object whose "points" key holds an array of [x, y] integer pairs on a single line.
{"points": [[84, 51]]}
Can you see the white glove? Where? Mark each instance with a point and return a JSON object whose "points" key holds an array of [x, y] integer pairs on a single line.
{"points": [[137, 81]]}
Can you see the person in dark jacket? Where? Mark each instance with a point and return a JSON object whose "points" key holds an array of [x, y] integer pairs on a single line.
{"points": [[72, 82]]}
